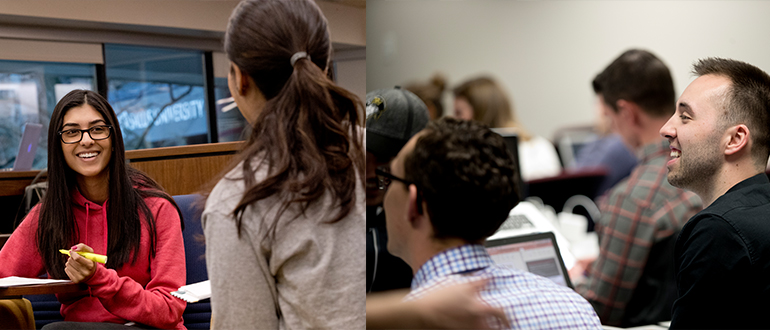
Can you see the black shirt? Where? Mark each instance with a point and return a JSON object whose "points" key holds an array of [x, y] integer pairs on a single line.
{"points": [[384, 271], [722, 261]]}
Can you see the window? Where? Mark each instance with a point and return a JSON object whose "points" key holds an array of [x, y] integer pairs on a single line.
{"points": [[231, 126], [29, 92], [230, 123], [158, 95]]}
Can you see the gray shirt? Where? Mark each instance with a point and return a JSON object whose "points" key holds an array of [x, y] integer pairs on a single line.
{"points": [[311, 275]]}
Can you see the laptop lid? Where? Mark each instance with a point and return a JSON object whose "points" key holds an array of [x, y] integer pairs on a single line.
{"points": [[536, 253], [512, 141], [27, 147]]}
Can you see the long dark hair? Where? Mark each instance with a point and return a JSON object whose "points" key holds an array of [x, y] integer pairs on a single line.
{"points": [[127, 189], [308, 131]]}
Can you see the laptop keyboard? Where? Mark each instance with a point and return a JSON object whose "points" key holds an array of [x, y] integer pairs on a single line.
{"points": [[517, 221]]}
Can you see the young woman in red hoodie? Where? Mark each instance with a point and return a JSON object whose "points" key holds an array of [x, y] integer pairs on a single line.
{"points": [[97, 203]]}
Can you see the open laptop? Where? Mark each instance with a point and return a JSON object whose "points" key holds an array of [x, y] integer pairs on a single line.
{"points": [[27, 147], [526, 219], [537, 253]]}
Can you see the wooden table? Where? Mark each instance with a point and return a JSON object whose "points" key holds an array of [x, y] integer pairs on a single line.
{"points": [[51, 288], [16, 313], [12, 183]]}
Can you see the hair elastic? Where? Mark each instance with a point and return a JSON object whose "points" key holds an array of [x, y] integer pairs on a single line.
{"points": [[297, 56]]}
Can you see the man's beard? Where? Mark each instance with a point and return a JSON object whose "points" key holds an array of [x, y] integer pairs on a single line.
{"points": [[697, 171]]}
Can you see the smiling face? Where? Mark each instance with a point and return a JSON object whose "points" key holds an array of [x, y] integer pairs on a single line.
{"points": [[88, 158], [695, 132]]}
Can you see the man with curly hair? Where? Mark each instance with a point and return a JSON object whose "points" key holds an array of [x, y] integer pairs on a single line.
{"points": [[450, 187]]}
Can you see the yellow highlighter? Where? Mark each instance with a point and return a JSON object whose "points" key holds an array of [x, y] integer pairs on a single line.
{"points": [[88, 255]]}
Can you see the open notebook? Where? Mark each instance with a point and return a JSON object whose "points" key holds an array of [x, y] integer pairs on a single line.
{"points": [[194, 292], [10, 281]]}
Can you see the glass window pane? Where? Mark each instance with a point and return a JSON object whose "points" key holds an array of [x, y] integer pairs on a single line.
{"points": [[230, 123], [157, 94], [28, 94]]}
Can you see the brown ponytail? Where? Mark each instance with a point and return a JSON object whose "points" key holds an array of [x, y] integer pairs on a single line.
{"points": [[307, 134]]}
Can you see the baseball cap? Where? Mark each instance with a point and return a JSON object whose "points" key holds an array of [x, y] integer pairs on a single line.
{"points": [[393, 116]]}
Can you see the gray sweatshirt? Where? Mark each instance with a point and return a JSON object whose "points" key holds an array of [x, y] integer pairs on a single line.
{"points": [[312, 275]]}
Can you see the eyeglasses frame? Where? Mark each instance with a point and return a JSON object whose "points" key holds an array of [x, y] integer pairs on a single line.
{"points": [[88, 130], [381, 172]]}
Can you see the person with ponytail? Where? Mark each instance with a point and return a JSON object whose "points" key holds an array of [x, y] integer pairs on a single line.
{"points": [[285, 226], [95, 202]]}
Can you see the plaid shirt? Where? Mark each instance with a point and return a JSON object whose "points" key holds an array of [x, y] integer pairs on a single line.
{"points": [[638, 212], [529, 301]]}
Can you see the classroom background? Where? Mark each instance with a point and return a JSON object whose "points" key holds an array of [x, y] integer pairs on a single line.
{"points": [[546, 53], [160, 64]]}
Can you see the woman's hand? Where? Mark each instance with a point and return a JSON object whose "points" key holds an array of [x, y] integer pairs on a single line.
{"points": [[78, 268]]}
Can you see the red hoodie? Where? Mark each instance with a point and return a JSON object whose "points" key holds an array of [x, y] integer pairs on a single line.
{"points": [[138, 292]]}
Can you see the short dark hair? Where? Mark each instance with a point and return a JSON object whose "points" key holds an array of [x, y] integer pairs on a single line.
{"points": [[640, 77], [747, 100], [467, 177]]}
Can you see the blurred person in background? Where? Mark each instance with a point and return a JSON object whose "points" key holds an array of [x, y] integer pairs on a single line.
{"points": [[431, 93], [632, 282], [608, 151], [483, 100]]}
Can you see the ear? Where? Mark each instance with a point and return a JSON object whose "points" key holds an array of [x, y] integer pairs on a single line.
{"points": [[629, 112], [241, 79], [415, 211], [737, 139]]}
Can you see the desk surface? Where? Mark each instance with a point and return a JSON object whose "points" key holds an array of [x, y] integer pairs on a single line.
{"points": [[16, 291], [196, 150], [13, 183]]}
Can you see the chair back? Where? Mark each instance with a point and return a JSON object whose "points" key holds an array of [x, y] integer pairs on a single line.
{"points": [[555, 191], [196, 315]]}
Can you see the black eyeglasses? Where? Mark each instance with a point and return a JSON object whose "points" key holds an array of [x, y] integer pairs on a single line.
{"points": [[100, 132], [384, 177]]}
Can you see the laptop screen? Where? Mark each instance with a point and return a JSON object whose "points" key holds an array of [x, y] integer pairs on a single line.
{"points": [[535, 253]]}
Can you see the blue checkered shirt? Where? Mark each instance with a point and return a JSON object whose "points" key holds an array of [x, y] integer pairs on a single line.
{"points": [[529, 301]]}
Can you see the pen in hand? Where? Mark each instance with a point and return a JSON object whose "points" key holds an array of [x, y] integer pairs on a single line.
{"points": [[88, 255]]}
